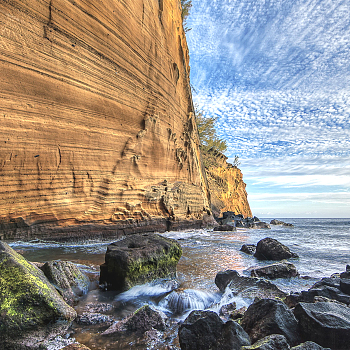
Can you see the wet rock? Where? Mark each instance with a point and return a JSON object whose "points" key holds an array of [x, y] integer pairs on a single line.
{"points": [[271, 342], [283, 269], [239, 313], [31, 309], [138, 259], [180, 301], [227, 309], [204, 330], [223, 278], [68, 279], [260, 225], [225, 228], [345, 285], [309, 345], [346, 274], [247, 287], [93, 318], [326, 323], [266, 317], [248, 249], [98, 307], [328, 287], [76, 346], [141, 321], [271, 249], [57, 343]]}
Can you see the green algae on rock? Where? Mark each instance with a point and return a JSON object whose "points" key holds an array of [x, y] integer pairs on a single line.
{"points": [[67, 278], [31, 310], [138, 259]]}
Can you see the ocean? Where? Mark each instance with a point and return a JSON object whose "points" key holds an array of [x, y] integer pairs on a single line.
{"points": [[323, 246]]}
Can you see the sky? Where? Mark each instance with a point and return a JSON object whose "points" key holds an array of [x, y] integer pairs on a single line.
{"points": [[276, 74]]}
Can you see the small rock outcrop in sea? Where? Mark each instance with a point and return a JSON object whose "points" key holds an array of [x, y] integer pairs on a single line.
{"points": [[247, 287], [139, 322], [266, 317], [309, 345], [230, 218], [138, 259], [270, 342], [248, 249], [280, 223], [283, 269], [271, 249], [68, 279], [31, 309], [327, 323], [204, 330]]}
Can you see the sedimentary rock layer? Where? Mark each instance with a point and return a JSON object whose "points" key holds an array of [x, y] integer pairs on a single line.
{"points": [[96, 126], [226, 186]]}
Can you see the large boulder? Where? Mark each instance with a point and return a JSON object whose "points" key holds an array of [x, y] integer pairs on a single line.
{"points": [[327, 323], [224, 228], [271, 249], [138, 259], [271, 342], [31, 309], [282, 269], [67, 278], [247, 287], [266, 317], [328, 287], [204, 330]]}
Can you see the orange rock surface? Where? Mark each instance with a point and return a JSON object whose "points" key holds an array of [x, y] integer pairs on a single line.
{"points": [[226, 185], [97, 133]]}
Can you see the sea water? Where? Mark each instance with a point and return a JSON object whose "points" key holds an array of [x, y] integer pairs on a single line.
{"points": [[323, 246]]}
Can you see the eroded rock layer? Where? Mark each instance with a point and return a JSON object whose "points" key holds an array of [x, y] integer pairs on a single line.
{"points": [[96, 126], [226, 186]]}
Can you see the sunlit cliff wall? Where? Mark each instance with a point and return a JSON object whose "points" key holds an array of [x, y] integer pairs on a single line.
{"points": [[97, 134], [226, 185]]}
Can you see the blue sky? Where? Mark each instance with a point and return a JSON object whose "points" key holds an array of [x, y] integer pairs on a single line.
{"points": [[276, 73]]}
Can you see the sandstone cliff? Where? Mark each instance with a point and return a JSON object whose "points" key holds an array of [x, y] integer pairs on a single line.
{"points": [[226, 185], [97, 133]]}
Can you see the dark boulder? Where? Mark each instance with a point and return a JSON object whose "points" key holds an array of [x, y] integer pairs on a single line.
{"points": [[309, 345], [68, 279], [248, 249], [327, 323], [223, 278], [282, 269], [204, 330], [271, 342], [238, 313], [328, 287], [247, 287], [280, 223], [271, 249], [139, 322], [345, 285], [138, 259], [226, 310], [266, 317], [224, 228], [31, 309]]}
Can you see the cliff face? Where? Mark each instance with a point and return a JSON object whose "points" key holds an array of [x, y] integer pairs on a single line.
{"points": [[96, 126], [226, 185]]}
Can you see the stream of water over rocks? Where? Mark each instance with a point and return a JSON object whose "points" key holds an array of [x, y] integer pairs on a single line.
{"points": [[323, 246]]}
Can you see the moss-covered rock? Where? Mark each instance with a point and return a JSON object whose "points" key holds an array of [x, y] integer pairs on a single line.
{"points": [[31, 310], [67, 278], [139, 259]]}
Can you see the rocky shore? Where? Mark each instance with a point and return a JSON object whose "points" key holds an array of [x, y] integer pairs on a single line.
{"points": [[38, 300]]}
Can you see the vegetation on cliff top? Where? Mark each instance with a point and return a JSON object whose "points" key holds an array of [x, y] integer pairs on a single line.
{"points": [[186, 7]]}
